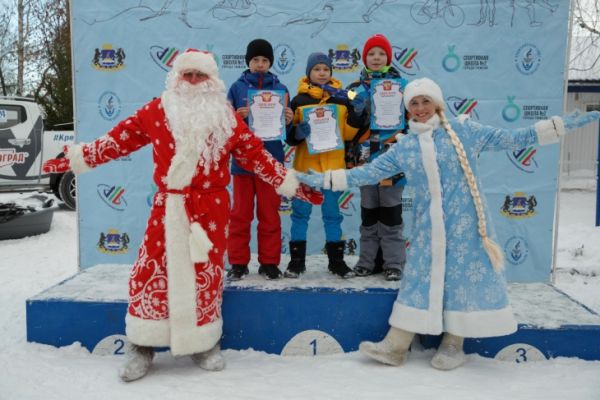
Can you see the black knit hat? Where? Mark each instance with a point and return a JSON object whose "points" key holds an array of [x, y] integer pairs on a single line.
{"points": [[259, 47]]}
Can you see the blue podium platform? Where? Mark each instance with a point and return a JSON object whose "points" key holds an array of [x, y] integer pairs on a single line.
{"points": [[334, 317]]}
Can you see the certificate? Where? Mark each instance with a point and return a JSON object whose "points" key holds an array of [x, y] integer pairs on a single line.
{"points": [[387, 108], [266, 116], [324, 129]]}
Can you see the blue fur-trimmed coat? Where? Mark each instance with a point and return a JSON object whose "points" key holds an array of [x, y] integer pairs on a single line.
{"points": [[449, 284]]}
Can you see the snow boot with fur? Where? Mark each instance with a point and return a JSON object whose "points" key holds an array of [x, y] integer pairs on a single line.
{"points": [[450, 353], [211, 360], [392, 350], [137, 364]]}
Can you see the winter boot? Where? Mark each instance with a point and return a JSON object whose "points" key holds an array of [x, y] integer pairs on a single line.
{"points": [[269, 271], [137, 364], [211, 360], [392, 274], [450, 353], [297, 264], [392, 350], [237, 272], [337, 266]]}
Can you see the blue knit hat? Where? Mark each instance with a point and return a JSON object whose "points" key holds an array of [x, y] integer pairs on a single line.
{"points": [[316, 58]]}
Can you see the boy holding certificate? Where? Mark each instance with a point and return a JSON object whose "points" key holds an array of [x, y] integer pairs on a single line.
{"points": [[259, 98], [319, 130], [378, 104]]}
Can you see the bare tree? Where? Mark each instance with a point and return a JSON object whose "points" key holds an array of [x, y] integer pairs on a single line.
{"points": [[585, 39], [7, 54]]}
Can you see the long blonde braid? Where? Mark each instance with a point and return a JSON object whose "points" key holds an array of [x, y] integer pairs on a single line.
{"points": [[491, 247]]}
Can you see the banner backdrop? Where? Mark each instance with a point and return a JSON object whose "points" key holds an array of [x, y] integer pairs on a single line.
{"points": [[502, 62]]}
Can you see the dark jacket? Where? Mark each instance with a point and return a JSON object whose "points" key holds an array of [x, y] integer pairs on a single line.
{"points": [[238, 97]]}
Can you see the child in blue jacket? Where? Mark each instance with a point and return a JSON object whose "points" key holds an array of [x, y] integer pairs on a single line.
{"points": [[247, 188]]}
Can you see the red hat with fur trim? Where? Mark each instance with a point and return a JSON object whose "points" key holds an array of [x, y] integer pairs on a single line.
{"points": [[377, 40], [193, 59]]}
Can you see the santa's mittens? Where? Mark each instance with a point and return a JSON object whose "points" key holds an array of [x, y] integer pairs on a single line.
{"points": [[57, 165], [308, 194], [577, 119]]}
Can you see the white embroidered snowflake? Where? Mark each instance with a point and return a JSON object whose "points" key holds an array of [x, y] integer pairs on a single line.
{"points": [[206, 185], [476, 271], [212, 226]]}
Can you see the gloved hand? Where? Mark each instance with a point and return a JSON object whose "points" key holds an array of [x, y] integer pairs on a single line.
{"points": [[302, 130], [308, 194], [57, 165], [360, 102], [311, 178], [576, 119]]}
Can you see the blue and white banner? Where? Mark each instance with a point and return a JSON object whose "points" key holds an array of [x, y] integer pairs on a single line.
{"points": [[501, 62]]}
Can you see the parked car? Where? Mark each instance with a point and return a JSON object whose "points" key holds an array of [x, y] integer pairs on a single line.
{"points": [[25, 146]]}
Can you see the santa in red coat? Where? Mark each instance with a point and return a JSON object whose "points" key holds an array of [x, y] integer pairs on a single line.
{"points": [[176, 284]]}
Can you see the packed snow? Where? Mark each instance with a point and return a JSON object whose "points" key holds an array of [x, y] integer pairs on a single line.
{"points": [[34, 371]]}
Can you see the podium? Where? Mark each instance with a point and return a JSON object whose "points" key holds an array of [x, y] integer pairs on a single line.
{"points": [[314, 315]]}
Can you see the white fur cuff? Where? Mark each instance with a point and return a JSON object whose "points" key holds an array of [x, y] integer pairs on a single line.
{"points": [[338, 180], [76, 160], [289, 185], [550, 130]]}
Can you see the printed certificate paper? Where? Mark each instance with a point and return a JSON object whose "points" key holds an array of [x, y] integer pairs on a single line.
{"points": [[387, 109], [266, 116], [324, 129]]}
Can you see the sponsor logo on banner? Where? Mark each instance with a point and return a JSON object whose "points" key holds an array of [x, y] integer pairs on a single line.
{"points": [[164, 56], [404, 60], [344, 200], [511, 112], [524, 159], [407, 204], [108, 59], [113, 242], [10, 157], [519, 206], [459, 105], [234, 61], [528, 59], [452, 62], [113, 196], [343, 59], [535, 112], [516, 250], [289, 153], [109, 105], [284, 59]]}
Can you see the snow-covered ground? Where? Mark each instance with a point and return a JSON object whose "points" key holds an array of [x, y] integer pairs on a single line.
{"points": [[33, 371]]}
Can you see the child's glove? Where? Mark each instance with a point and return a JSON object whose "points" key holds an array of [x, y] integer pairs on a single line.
{"points": [[311, 178], [302, 130], [308, 194], [360, 102], [57, 165], [576, 119]]}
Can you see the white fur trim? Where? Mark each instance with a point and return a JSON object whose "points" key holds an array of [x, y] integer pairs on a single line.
{"points": [[76, 160], [182, 278], [147, 332], [429, 321], [195, 60], [423, 87], [550, 130], [339, 181], [289, 185], [200, 244], [488, 323]]}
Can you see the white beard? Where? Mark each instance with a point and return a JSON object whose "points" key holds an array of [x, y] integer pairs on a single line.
{"points": [[200, 119]]}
